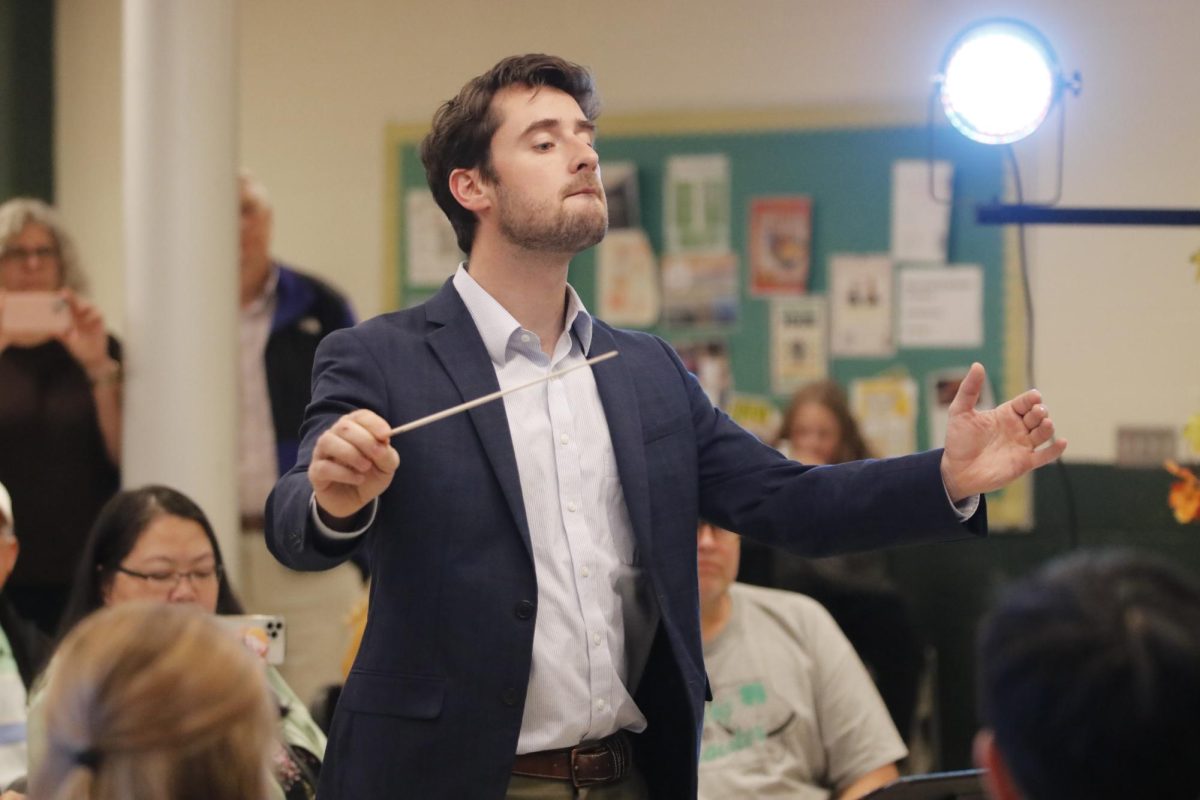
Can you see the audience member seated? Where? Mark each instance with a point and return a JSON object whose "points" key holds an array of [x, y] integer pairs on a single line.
{"points": [[22, 648], [152, 701], [155, 544], [794, 713], [856, 589], [60, 405], [1089, 682]]}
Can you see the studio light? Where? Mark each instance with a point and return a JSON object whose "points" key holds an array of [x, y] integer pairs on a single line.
{"points": [[998, 81]]}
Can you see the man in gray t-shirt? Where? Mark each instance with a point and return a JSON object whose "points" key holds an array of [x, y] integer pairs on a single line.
{"points": [[794, 712]]}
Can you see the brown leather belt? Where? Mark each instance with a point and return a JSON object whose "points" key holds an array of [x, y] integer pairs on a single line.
{"points": [[586, 764]]}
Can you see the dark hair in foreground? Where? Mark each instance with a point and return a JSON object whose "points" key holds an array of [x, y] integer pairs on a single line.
{"points": [[461, 134], [116, 532], [1090, 679], [155, 700]]}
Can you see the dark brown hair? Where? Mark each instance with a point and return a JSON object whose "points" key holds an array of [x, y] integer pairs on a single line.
{"points": [[851, 445], [462, 129]]}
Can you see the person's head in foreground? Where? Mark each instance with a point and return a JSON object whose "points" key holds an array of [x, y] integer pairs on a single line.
{"points": [[1090, 682], [151, 543], [153, 701]]}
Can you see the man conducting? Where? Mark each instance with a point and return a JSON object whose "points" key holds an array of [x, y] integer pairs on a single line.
{"points": [[533, 625]]}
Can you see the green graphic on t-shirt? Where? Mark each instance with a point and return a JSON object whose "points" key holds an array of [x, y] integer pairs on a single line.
{"points": [[732, 721]]}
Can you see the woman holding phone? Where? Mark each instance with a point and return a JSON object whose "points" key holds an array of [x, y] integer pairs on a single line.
{"points": [[60, 405]]}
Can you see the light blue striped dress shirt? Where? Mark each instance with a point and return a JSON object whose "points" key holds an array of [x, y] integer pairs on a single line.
{"points": [[595, 612]]}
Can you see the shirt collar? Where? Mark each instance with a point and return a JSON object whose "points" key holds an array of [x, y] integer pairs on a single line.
{"points": [[497, 326], [264, 299]]}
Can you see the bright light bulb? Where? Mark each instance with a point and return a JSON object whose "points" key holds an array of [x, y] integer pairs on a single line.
{"points": [[999, 83]]}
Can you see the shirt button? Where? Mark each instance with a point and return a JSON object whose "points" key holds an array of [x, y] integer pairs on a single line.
{"points": [[571, 507], [600, 703], [596, 639], [585, 572], [524, 337], [524, 609], [510, 696], [564, 439]]}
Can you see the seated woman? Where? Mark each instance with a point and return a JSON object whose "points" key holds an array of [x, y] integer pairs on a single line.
{"points": [[152, 701], [155, 544]]}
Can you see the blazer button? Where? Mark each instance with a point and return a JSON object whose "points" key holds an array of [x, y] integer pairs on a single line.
{"points": [[510, 696], [524, 609]]}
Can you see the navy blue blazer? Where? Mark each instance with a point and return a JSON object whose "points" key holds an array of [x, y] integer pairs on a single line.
{"points": [[433, 705]]}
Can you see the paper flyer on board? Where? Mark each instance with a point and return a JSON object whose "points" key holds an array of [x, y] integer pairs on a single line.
{"points": [[798, 347], [780, 234], [860, 306]]}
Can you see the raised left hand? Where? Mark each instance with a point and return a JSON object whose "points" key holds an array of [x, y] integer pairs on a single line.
{"points": [[86, 340], [986, 450]]}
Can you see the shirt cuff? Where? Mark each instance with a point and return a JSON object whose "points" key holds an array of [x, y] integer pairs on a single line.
{"points": [[964, 509], [329, 532]]}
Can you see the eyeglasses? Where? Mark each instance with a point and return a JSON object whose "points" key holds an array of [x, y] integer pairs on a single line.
{"points": [[20, 255], [167, 581]]}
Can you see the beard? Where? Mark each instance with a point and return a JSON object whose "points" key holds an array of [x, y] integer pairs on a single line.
{"points": [[555, 226]]}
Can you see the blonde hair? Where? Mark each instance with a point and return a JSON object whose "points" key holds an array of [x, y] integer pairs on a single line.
{"points": [[15, 214], [154, 701]]}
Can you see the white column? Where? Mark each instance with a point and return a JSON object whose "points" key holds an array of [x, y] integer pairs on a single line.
{"points": [[180, 152]]}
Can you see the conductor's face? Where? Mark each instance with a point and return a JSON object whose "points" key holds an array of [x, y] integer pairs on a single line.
{"points": [[545, 188]]}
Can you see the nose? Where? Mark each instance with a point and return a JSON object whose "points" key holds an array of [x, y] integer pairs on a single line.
{"points": [[184, 591], [705, 536], [588, 158]]}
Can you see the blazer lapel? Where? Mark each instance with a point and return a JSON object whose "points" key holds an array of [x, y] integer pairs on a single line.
{"points": [[618, 395], [460, 349]]}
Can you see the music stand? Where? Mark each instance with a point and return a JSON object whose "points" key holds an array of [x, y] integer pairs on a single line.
{"points": [[959, 785]]}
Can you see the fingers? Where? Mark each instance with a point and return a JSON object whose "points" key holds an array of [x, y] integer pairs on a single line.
{"points": [[1026, 401], [969, 390], [1047, 454], [358, 442], [1035, 417]]}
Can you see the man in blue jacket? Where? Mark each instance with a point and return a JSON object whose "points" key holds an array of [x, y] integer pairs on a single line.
{"points": [[533, 627], [283, 315]]}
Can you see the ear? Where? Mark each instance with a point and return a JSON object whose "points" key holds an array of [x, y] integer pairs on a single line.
{"points": [[997, 780], [9, 549], [470, 190]]}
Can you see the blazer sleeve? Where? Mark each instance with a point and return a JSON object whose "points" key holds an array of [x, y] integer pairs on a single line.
{"points": [[749, 487], [346, 376]]}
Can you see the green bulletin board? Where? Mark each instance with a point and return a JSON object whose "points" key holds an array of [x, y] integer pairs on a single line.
{"points": [[844, 164]]}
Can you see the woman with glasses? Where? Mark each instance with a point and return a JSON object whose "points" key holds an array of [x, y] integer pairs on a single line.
{"points": [[60, 405], [155, 544]]}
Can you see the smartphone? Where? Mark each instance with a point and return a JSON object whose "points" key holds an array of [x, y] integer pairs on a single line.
{"points": [[262, 633], [35, 313]]}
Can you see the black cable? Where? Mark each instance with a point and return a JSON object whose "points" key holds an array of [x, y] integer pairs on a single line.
{"points": [[1023, 263]]}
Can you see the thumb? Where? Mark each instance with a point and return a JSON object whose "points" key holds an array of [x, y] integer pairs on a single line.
{"points": [[969, 390]]}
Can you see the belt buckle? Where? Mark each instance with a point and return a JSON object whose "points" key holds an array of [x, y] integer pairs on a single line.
{"points": [[596, 749]]}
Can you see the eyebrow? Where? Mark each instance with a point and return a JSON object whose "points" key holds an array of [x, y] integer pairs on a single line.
{"points": [[551, 122]]}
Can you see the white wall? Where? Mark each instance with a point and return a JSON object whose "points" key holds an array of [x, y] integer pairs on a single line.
{"points": [[1117, 311]]}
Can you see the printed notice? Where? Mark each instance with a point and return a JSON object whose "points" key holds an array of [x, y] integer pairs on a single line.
{"points": [[433, 253], [941, 308], [921, 192], [860, 306]]}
